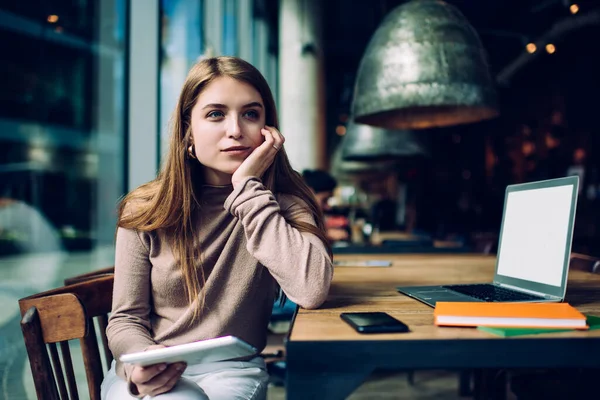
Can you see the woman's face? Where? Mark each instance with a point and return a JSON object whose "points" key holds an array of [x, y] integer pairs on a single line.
{"points": [[226, 124]]}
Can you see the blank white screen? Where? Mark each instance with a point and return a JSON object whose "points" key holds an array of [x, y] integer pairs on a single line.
{"points": [[534, 238]]}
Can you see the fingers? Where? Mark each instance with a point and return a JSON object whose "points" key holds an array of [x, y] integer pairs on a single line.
{"points": [[141, 375], [157, 379], [170, 383], [269, 139], [273, 138], [261, 158]]}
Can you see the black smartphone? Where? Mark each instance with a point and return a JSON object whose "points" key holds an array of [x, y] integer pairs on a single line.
{"points": [[374, 322]]}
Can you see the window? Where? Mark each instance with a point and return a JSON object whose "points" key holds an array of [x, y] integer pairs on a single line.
{"points": [[62, 127], [181, 46]]}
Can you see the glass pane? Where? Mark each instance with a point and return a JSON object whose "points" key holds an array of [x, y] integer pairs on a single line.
{"points": [[62, 123], [259, 45], [62, 136], [181, 45], [230, 27]]}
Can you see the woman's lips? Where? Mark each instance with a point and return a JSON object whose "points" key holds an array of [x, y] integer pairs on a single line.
{"points": [[236, 150]]}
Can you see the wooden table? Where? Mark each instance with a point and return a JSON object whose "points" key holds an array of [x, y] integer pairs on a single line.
{"points": [[327, 359]]}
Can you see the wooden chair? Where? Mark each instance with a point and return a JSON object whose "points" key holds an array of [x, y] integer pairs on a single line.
{"points": [[584, 262], [56, 317], [274, 356]]}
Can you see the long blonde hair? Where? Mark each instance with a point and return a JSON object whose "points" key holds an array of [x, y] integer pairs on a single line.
{"points": [[168, 204]]}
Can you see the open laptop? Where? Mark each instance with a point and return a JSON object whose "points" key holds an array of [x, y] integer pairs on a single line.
{"points": [[534, 248]]}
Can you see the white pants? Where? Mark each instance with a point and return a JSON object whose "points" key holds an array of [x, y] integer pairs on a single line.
{"points": [[224, 380]]}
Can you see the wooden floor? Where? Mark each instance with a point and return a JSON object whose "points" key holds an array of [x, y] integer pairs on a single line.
{"points": [[387, 386], [444, 385]]}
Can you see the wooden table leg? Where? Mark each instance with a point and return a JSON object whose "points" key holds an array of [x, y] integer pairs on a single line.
{"points": [[489, 384], [464, 383]]}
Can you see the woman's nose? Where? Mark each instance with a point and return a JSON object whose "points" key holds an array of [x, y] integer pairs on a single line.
{"points": [[233, 129]]}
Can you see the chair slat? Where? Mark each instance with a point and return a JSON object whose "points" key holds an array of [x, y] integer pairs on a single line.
{"points": [[92, 362], [68, 369], [58, 371], [41, 369], [102, 325]]}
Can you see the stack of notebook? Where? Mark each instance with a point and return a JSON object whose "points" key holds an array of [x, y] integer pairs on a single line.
{"points": [[593, 323], [510, 315]]}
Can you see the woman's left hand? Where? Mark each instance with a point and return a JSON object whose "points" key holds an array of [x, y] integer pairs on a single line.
{"points": [[261, 158]]}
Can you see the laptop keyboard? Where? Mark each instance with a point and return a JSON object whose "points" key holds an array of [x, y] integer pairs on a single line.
{"points": [[491, 293]]}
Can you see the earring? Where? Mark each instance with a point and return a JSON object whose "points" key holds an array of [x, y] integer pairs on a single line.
{"points": [[190, 152]]}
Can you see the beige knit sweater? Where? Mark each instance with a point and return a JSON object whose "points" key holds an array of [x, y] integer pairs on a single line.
{"points": [[247, 248]]}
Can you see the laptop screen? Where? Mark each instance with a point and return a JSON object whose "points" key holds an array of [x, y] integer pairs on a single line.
{"points": [[536, 230]]}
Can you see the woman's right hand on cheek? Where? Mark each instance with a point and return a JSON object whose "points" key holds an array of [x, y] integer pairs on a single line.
{"points": [[155, 379], [261, 158]]}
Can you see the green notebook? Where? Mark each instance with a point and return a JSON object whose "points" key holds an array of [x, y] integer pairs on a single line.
{"points": [[592, 321]]}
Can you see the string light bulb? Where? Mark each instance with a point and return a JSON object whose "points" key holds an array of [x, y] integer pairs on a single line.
{"points": [[531, 48], [52, 18], [340, 130], [550, 48], [574, 8]]}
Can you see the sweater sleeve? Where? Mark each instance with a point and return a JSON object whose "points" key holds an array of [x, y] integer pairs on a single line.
{"points": [[128, 326], [297, 260]]}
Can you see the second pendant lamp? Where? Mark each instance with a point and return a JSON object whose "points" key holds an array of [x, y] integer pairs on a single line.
{"points": [[365, 143]]}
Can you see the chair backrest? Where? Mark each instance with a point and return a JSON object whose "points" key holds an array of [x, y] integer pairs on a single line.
{"points": [[101, 320], [58, 316], [585, 263], [90, 275]]}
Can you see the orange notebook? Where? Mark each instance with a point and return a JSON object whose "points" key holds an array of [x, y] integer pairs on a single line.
{"points": [[531, 315]]}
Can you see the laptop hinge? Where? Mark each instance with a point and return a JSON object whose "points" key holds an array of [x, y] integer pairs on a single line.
{"points": [[520, 289]]}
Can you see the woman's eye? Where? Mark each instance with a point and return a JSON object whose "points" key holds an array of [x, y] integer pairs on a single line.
{"points": [[252, 114], [215, 114]]}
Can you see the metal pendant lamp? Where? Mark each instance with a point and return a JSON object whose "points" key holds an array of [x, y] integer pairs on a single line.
{"points": [[341, 168], [424, 67], [366, 142]]}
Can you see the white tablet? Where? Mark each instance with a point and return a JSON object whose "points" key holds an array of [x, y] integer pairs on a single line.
{"points": [[203, 351]]}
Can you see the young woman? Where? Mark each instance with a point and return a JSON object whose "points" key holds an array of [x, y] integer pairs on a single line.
{"points": [[203, 250]]}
